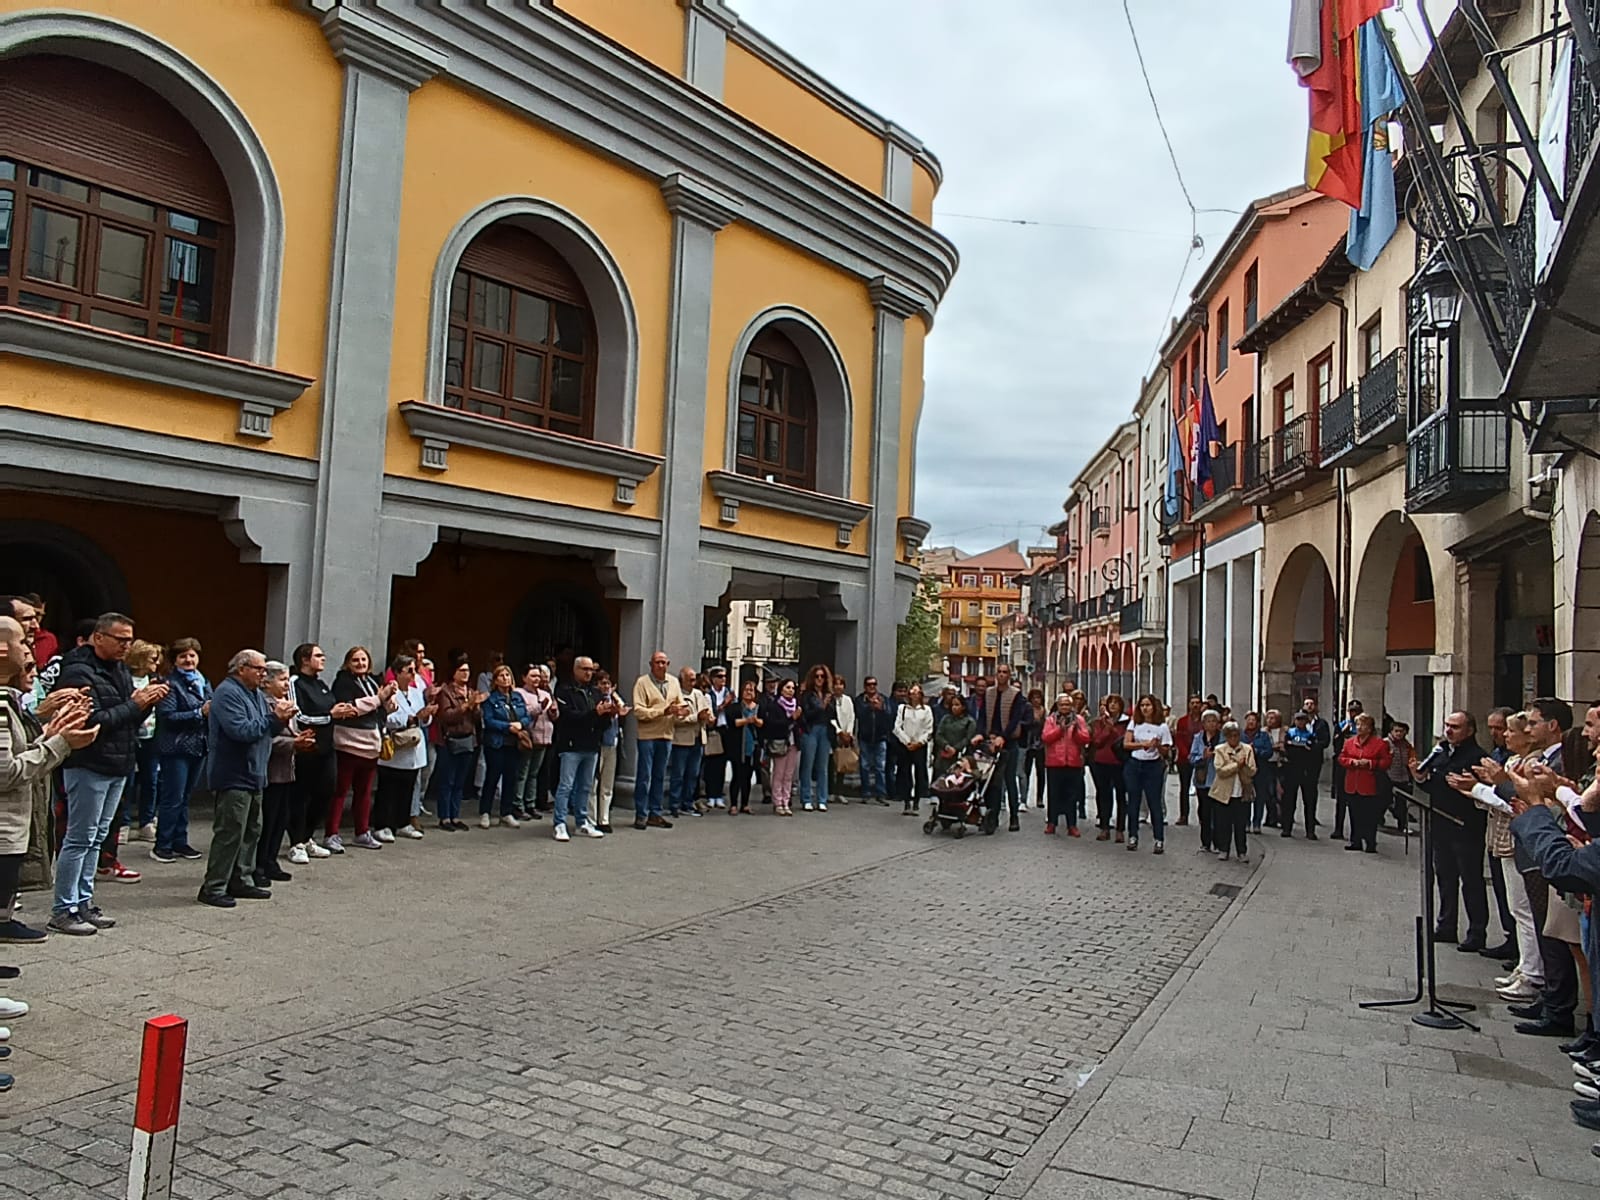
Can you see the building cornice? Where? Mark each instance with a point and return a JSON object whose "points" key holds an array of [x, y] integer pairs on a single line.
{"points": [[261, 392], [736, 490], [359, 40], [555, 70], [439, 428], [688, 197], [896, 299], [913, 532]]}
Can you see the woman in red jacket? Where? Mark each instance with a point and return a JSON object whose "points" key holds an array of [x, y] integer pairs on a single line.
{"points": [[1364, 758], [1065, 736], [1105, 764]]}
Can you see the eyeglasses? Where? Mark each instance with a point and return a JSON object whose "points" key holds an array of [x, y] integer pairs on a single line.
{"points": [[121, 641]]}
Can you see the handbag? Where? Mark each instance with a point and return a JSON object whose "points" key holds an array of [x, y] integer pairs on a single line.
{"points": [[713, 743], [386, 748], [847, 760], [777, 747], [406, 739], [461, 743]]}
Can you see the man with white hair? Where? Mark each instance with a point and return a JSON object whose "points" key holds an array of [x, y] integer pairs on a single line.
{"points": [[240, 727]]}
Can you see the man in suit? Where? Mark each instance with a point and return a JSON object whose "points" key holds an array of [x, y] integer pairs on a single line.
{"points": [[1000, 725], [1459, 831]]}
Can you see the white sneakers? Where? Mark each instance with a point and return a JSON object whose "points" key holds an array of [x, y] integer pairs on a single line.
{"points": [[561, 834], [384, 835], [317, 851], [12, 1009], [589, 831], [298, 855], [510, 822], [408, 831], [807, 806], [484, 821], [584, 830]]}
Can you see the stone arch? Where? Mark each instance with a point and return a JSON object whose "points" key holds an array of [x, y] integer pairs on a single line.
{"points": [[74, 575], [829, 381], [1584, 668], [253, 187], [610, 305], [1303, 567], [1374, 579]]}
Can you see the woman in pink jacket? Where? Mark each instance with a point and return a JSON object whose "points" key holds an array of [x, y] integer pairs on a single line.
{"points": [[1065, 737]]}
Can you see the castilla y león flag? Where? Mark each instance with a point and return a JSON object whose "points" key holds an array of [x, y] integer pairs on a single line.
{"points": [[1328, 71]]}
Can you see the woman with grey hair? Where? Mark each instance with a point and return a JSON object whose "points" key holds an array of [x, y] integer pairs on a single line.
{"points": [[1233, 766], [283, 806]]}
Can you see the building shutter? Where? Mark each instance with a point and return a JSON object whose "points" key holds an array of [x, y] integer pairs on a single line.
{"points": [[97, 125], [510, 254]]}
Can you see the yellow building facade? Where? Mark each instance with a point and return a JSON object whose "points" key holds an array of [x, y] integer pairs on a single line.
{"points": [[531, 327]]}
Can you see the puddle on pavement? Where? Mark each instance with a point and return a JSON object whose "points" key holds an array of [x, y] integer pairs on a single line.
{"points": [[1482, 1066]]}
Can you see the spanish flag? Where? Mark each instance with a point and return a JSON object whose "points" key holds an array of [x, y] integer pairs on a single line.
{"points": [[1330, 76]]}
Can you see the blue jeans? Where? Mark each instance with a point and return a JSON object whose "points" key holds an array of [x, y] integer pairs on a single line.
{"points": [[1146, 781], [500, 765], [1265, 803], [454, 771], [176, 777], [92, 801], [650, 778], [873, 757], [683, 769], [577, 781], [815, 747]]}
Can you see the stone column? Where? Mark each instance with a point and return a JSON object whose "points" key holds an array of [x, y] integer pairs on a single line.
{"points": [[1243, 654], [698, 212], [1471, 685], [349, 594], [705, 43], [895, 303], [275, 533], [1178, 617], [1368, 681], [630, 576]]}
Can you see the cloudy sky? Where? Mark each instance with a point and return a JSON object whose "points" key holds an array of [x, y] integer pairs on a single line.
{"points": [[1037, 110]]}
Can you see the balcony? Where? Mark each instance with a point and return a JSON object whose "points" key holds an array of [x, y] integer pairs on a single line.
{"points": [[1100, 521], [1107, 604], [1380, 417], [1458, 457], [1337, 428], [1288, 459], [1224, 485], [1172, 523], [1143, 620]]}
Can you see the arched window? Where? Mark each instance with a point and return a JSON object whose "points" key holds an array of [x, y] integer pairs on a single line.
{"points": [[521, 345], [112, 210], [777, 436]]}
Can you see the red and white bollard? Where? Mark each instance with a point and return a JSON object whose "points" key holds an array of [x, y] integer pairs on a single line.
{"points": [[155, 1114]]}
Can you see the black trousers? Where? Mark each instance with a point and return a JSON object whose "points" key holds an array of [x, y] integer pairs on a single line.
{"points": [[10, 880], [1300, 789], [1560, 994], [1229, 822], [275, 804], [1363, 813], [315, 777], [1458, 866], [1204, 803], [1341, 801], [743, 773], [391, 804], [1185, 776], [1064, 786], [714, 767], [912, 777], [1110, 793]]}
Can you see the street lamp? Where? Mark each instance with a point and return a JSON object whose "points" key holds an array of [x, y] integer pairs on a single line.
{"points": [[1440, 292]]}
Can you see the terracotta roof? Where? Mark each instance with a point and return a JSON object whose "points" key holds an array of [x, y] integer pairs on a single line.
{"points": [[1001, 558]]}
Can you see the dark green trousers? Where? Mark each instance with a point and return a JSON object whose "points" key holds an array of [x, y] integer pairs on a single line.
{"points": [[235, 830]]}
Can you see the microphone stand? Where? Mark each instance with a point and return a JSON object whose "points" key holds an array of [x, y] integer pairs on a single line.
{"points": [[1438, 1014]]}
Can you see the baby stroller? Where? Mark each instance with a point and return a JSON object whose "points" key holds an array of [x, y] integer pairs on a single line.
{"points": [[958, 794]]}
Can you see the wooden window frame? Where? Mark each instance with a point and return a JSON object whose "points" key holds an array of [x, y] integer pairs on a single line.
{"points": [[1221, 355], [795, 416], [1282, 411], [1252, 294], [466, 323], [82, 299], [1314, 371], [1372, 332]]}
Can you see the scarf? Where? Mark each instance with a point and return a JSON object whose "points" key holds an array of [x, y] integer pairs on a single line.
{"points": [[790, 707]]}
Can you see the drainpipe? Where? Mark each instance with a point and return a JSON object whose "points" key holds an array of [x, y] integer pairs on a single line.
{"points": [[1342, 547]]}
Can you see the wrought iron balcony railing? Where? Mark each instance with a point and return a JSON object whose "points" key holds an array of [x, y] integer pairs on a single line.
{"points": [[1380, 415], [1458, 457], [1100, 520], [1337, 427]]}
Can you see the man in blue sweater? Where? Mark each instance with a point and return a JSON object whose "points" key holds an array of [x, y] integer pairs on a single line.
{"points": [[241, 724]]}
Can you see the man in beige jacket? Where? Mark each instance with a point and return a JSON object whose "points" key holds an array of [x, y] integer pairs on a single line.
{"points": [[657, 704]]}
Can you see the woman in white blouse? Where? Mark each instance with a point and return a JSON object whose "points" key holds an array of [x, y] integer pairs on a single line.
{"points": [[913, 729]]}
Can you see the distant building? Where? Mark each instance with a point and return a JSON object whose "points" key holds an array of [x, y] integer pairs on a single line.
{"points": [[978, 590]]}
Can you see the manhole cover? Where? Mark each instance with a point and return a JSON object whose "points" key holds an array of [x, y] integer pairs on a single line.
{"points": [[1226, 890]]}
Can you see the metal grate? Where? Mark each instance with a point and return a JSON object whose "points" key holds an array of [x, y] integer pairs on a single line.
{"points": [[1226, 890]]}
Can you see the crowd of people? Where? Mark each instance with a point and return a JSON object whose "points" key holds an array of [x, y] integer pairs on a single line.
{"points": [[116, 733]]}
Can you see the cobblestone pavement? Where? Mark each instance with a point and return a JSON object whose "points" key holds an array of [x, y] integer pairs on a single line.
{"points": [[830, 1007]]}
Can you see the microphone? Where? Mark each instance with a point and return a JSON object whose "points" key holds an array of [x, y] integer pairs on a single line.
{"points": [[1435, 756]]}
